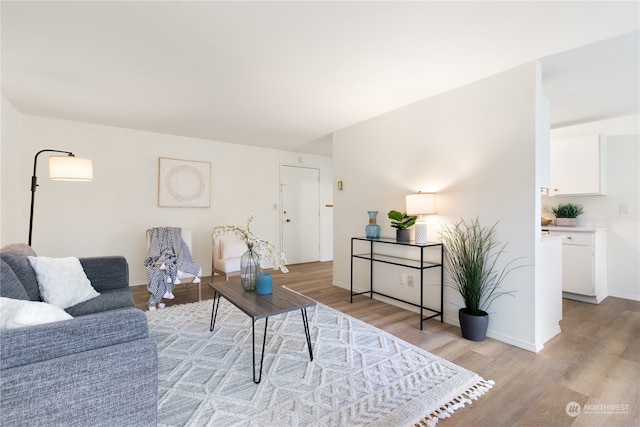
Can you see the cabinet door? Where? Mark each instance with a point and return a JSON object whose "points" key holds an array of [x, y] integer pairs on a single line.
{"points": [[577, 269], [577, 166]]}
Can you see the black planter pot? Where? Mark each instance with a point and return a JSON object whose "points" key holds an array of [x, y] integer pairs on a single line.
{"points": [[403, 235], [474, 328]]}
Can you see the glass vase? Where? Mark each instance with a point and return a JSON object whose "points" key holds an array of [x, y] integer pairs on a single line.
{"points": [[372, 230], [249, 267]]}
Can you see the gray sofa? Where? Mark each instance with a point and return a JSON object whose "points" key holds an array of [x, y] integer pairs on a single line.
{"points": [[98, 369]]}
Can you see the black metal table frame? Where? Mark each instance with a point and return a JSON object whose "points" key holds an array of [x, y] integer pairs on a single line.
{"points": [[305, 321], [422, 265]]}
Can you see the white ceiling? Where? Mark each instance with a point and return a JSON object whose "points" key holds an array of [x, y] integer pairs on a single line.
{"points": [[287, 74]]}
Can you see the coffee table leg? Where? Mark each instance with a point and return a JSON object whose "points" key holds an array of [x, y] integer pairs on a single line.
{"points": [[264, 340], [214, 309], [305, 321]]}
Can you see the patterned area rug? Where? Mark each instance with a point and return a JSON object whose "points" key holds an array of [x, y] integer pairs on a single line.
{"points": [[360, 375]]}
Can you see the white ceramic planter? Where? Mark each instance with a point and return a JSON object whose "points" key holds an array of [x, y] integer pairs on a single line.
{"points": [[565, 222]]}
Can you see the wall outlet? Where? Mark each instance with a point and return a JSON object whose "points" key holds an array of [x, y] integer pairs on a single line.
{"points": [[410, 281], [403, 279]]}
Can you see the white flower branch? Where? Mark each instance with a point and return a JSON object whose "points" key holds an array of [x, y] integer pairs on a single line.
{"points": [[266, 250]]}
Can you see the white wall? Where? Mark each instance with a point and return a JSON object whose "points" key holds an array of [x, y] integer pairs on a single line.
{"points": [[475, 147], [10, 167], [109, 215], [623, 187]]}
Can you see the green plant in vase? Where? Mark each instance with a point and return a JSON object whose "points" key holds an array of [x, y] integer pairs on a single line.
{"points": [[401, 222]]}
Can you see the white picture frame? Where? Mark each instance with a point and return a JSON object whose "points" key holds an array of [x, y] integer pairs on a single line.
{"points": [[183, 183]]}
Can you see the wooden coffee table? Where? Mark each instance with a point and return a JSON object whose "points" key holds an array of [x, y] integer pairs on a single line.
{"points": [[282, 300]]}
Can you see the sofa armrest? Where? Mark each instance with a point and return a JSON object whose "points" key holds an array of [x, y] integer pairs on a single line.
{"points": [[106, 272], [23, 346], [104, 387]]}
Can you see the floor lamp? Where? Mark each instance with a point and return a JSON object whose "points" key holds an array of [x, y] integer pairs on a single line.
{"points": [[421, 204], [64, 168]]}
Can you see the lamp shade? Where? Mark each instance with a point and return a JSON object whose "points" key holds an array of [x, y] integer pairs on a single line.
{"points": [[70, 168], [421, 203]]}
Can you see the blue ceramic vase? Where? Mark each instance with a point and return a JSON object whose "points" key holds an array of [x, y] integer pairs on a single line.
{"points": [[372, 230]]}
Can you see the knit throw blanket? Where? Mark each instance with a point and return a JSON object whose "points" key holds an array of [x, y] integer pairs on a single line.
{"points": [[167, 255]]}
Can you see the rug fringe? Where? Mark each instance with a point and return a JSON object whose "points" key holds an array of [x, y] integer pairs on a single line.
{"points": [[466, 397]]}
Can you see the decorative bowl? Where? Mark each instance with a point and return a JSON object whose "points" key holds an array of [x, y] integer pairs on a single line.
{"points": [[545, 221]]}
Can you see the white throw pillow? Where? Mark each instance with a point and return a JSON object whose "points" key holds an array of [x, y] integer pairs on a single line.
{"points": [[15, 313], [232, 247], [62, 281]]}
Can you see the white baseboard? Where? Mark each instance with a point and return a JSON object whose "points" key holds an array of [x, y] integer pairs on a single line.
{"points": [[452, 319], [584, 298], [548, 335], [525, 345], [632, 297]]}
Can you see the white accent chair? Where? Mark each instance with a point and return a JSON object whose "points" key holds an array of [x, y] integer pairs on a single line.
{"points": [[183, 277], [226, 254]]}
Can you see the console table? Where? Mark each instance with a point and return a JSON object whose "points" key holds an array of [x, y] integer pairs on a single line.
{"points": [[418, 263]]}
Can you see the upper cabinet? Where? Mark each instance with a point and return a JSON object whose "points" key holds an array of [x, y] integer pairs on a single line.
{"points": [[578, 166]]}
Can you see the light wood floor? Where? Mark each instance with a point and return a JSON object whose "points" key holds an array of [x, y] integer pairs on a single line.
{"points": [[595, 361]]}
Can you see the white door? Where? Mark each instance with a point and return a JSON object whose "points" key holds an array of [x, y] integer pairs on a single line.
{"points": [[300, 215]]}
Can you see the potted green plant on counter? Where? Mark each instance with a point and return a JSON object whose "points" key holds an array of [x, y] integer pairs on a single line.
{"points": [[401, 222], [472, 257], [566, 214]]}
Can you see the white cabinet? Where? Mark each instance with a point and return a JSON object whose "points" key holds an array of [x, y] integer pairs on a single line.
{"points": [[578, 166], [584, 265]]}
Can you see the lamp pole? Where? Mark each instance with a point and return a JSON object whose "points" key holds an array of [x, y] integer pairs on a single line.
{"points": [[34, 184]]}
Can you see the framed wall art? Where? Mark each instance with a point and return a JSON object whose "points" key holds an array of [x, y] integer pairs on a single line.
{"points": [[183, 183]]}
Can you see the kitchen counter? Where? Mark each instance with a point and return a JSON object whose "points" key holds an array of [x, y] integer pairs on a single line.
{"points": [[553, 228], [551, 236]]}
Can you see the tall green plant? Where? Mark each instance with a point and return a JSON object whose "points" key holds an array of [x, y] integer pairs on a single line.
{"points": [[472, 256]]}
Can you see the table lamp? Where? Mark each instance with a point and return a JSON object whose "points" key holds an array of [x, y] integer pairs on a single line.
{"points": [[421, 204]]}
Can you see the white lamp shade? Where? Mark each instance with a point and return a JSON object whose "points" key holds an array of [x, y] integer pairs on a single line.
{"points": [[421, 203], [70, 168]]}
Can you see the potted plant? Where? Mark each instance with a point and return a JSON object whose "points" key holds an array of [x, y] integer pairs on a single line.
{"points": [[401, 222], [472, 255], [566, 214]]}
